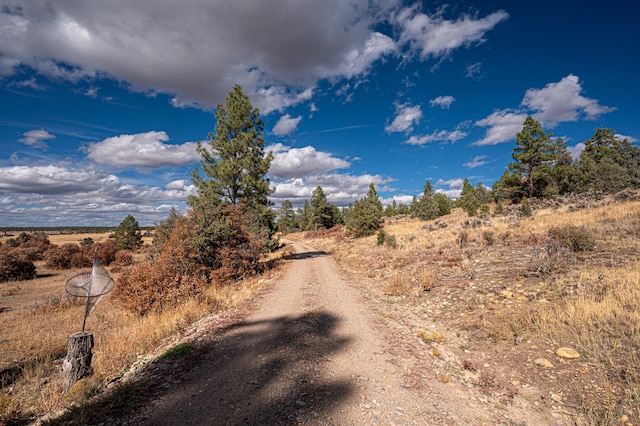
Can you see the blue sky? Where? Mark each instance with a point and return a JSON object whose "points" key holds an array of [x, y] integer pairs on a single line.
{"points": [[102, 102]]}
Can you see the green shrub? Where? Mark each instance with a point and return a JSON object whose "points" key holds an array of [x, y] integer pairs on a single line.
{"points": [[525, 207], [488, 238], [178, 351], [385, 238], [391, 241], [87, 241]]}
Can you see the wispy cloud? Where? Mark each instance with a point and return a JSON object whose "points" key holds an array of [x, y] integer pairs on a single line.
{"points": [[439, 136], [443, 102], [37, 138], [477, 161]]}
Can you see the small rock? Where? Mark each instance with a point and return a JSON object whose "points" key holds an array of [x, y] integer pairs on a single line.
{"points": [[543, 362], [567, 353]]}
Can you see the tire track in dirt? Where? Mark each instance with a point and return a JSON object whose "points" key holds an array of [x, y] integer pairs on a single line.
{"points": [[312, 353]]}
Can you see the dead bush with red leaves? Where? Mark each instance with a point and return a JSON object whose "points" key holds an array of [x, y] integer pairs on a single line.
{"points": [[174, 277], [106, 251], [15, 265], [60, 257], [123, 258], [34, 245], [72, 255]]}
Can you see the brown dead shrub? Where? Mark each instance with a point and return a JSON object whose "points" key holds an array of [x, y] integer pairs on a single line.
{"points": [[336, 232], [174, 277], [59, 257], [106, 251], [123, 258], [15, 265]]}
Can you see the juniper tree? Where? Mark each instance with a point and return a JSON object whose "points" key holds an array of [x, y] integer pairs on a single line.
{"points": [[127, 235], [444, 203], [287, 220], [366, 216], [534, 149], [426, 208], [468, 200]]}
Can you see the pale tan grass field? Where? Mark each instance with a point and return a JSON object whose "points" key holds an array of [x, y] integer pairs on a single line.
{"points": [[589, 300]]}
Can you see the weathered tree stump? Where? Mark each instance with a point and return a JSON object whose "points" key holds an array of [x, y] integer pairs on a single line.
{"points": [[77, 364]]}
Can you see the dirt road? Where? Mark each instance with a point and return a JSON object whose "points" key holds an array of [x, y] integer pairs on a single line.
{"points": [[313, 353]]}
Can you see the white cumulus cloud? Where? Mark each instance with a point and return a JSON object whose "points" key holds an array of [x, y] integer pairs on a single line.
{"points": [[502, 127], [562, 102], [142, 150], [406, 116], [289, 163], [286, 125], [555, 103]]}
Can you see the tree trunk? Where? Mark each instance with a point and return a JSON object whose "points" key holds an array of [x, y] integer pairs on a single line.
{"points": [[77, 364]]}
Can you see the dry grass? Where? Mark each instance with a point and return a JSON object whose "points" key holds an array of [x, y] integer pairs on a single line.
{"points": [[521, 296], [36, 318]]}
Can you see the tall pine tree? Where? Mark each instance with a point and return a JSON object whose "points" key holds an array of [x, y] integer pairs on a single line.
{"points": [[534, 149]]}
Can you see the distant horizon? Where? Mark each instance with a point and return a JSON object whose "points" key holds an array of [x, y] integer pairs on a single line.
{"points": [[102, 106]]}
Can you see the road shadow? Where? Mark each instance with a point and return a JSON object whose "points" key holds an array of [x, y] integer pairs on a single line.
{"points": [[307, 255], [265, 372]]}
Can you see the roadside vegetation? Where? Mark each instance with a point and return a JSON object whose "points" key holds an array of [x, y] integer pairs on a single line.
{"points": [[545, 258], [504, 292]]}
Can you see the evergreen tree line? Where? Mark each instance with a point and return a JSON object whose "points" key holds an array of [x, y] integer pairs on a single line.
{"points": [[542, 167], [230, 221]]}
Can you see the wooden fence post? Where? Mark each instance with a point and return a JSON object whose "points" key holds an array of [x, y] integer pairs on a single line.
{"points": [[77, 364]]}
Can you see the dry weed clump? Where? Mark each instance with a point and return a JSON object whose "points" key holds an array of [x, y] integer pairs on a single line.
{"points": [[578, 238], [431, 337]]}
